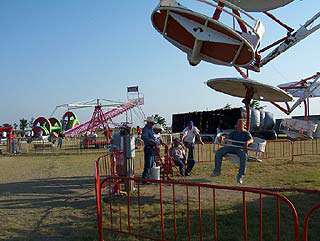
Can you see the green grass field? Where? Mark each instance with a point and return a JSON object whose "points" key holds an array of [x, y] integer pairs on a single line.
{"points": [[51, 197]]}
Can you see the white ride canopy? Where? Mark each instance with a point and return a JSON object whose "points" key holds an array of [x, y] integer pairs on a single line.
{"points": [[239, 87], [260, 5]]}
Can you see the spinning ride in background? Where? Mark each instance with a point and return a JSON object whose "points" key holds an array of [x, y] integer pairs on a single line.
{"points": [[45, 127], [212, 39], [41, 127], [69, 121], [102, 119], [303, 90]]}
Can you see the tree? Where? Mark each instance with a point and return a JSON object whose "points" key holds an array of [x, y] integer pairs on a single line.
{"points": [[23, 124], [160, 120], [30, 124], [15, 126], [255, 104]]}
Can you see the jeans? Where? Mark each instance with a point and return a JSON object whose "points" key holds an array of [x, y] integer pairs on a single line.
{"points": [[231, 150], [190, 147], [180, 163], [190, 165], [149, 159]]}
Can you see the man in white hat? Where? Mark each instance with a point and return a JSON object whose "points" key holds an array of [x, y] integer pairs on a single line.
{"points": [[150, 144]]}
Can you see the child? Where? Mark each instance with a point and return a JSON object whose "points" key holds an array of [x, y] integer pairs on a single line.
{"points": [[178, 154]]}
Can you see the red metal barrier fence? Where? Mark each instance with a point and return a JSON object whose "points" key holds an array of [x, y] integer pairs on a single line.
{"points": [[173, 210], [277, 149], [307, 219]]}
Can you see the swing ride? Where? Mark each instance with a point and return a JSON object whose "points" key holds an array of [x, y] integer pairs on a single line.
{"points": [[213, 39]]}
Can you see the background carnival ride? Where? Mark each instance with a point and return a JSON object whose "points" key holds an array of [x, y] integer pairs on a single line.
{"points": [[101, 120], [214, 40]]}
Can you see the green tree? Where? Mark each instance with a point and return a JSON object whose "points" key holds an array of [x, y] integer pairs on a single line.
{"points": [[255, 104], [15, 126], [160, 120], [23, 124], [30, 124]]}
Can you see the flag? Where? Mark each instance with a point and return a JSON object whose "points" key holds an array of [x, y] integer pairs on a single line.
{"points": [[133, 89]]}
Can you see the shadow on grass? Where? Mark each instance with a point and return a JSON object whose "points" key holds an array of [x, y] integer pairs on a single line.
{"points": [[58, 209]]}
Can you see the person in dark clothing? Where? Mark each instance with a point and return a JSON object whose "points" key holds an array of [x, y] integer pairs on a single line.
{"points": [[150, 144], [242, 139]]}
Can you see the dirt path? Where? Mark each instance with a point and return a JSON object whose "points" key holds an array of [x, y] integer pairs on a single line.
{"points": [[50, 205]]}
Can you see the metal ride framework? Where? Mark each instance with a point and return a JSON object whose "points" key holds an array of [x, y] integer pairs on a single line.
{"points": [[212, 40], [280, 46], [100, 119], [307, 89]]}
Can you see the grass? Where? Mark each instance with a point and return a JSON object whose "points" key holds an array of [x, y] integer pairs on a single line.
{"points": [[51, 197]]}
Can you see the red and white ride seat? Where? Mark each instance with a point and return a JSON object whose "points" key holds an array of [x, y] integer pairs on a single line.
{"points": [[207, 38]]}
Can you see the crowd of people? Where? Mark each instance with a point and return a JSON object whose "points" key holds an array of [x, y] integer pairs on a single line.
{"points": [[182, 149]]}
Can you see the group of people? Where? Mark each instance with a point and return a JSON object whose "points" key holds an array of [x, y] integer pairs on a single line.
{"points": [[182, 151]]}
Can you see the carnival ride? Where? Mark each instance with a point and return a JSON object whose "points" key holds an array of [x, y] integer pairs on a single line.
{"points": [[8, 130], [213, 39], [43, 126], [232, 43], [101, 119]]}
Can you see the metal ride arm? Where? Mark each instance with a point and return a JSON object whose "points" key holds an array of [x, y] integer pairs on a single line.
{"points": [[303, 32], [305, 98], [107, 116]]}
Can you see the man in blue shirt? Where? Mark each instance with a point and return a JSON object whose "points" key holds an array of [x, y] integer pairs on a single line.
{"points": [[242, 140], [150, 144]]}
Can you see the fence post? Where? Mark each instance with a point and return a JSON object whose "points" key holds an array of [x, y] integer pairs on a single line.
{"points": [[98, 201], [292, 150], [306, 221]]}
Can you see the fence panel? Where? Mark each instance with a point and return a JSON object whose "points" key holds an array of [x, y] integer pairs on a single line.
{"points": [[173, 210], [311, 216]]}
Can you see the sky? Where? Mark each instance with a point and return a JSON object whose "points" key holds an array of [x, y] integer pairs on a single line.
{"points": [[63, 51]]}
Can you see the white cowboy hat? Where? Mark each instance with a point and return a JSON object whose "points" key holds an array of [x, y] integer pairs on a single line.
{"points": [[150, 119]]}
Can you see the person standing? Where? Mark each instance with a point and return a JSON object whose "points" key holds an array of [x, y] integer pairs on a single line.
{"points": [[60, 140], [150, 144], [190, 133]]}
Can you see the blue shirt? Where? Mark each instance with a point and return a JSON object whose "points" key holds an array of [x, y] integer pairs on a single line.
{"points": [[148, 136], [242, 136]]}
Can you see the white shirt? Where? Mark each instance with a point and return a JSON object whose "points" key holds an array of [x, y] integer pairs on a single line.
{"points": [[190, 135]]}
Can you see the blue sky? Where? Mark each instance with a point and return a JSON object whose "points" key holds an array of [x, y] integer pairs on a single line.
{"points": [[55, 52]]}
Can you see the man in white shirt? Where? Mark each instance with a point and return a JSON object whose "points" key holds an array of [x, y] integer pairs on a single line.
{"points": [[190, 133]]}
